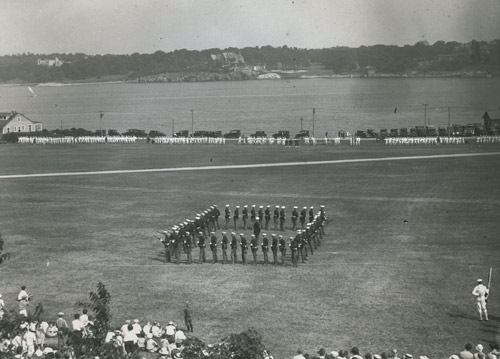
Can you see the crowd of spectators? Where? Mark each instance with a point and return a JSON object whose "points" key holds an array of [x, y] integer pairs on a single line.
{"points": [[469, 352], [54, 339], [30, 338]]}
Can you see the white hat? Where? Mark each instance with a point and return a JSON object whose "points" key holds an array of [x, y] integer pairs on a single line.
{"points": [[268, 206], [163, 351], [237, 206], [136, 320], [282, 206], [311, 207], [304, 207], [48, 350], [253, 205], [227, 205], [223, 232], [38, 353], [479, 280], [233, 233], [241, 234], [245, 206], [261, 206], [277, 206], [295, 207], [335, 354], [479, 347], [257, 217]]}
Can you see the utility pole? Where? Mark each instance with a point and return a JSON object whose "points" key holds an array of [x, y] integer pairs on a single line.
{"points": [[301, 124], [173, 131], [449, 122], [61, 125], [100, 121], [314, 112], [425, 113], [192, 122]]}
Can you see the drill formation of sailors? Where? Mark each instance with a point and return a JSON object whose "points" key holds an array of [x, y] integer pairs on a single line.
{"points": [[183, 238]]}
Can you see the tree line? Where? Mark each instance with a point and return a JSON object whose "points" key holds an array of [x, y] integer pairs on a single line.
{"points": [[440, 56]]}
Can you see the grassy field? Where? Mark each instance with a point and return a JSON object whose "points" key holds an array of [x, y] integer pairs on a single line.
{"points": [[377, 282]]}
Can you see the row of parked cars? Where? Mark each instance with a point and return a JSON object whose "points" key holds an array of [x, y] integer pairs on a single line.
{"points": [[238, 134], [475, 129]]}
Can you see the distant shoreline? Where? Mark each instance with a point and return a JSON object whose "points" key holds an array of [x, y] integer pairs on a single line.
{"points": [[297, 76]]}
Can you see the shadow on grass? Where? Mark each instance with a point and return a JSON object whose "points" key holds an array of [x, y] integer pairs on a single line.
{"points": [[494, 318], [158, 259], [461, 315]]}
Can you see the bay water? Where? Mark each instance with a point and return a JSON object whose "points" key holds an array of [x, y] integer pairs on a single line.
{"points": [[328, 105]]}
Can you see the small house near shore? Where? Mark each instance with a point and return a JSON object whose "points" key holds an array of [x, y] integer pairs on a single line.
{"points": [[17, 122], [492, 119]]}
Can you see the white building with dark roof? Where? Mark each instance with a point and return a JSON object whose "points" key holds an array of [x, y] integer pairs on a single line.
{"points": [[17, 122], [492, 119]]}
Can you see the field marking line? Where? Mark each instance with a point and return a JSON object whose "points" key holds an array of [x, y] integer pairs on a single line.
{"points": [[256, 165]]}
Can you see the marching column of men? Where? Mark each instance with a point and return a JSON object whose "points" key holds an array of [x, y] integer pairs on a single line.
{"points": [[182, 238]]}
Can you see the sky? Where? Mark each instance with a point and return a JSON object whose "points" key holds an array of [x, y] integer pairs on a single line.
{"points": [[146, 26]]}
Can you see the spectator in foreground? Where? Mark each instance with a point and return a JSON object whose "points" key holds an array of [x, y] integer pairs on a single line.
{"points": [[151, 344], [479, 350], [2, 306], [188, 318], [299, 355], [180, 337], [77, 327], [355, 353], [129, 339], [467, 354]]}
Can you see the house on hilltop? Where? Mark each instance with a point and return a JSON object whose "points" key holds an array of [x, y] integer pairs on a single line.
{"points": [[49, 62], [228, 59], [17, 122], [492, 120]]}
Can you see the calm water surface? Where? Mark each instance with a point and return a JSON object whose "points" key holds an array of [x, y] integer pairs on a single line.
{"points": [[341, 104]]}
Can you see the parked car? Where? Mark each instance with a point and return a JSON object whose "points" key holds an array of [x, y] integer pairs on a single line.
{"points": [[183, 133], [361, 134], [154, 133], [259, 134], [282, 133], [233, 134], [302, 134], [207, 134]]}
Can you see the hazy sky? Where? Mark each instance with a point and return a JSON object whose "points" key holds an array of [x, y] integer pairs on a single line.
{"points": [[145, 26]]}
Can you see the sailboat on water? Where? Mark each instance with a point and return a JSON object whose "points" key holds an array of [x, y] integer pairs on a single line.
{"points": [[33, 94]]}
